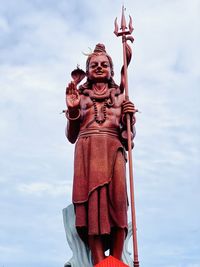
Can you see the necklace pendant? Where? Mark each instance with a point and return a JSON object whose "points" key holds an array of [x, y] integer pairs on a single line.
{"points": [[101, 117]]}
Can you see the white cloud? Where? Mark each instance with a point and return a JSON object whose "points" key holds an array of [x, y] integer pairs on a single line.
{"points": [[54, 189], [4, 27], [7, 251]]}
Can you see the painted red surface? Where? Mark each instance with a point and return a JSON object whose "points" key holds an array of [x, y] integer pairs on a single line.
{"points": [[111, 262]]}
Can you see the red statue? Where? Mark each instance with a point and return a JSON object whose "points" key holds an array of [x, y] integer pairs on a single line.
{"points": [[96, 113]]}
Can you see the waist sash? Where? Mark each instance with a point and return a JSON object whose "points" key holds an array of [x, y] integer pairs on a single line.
{"points": [[99, 131]]}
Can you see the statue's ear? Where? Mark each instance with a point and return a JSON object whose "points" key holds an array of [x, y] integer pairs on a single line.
{"points": [[87, 73], [112, 73]]}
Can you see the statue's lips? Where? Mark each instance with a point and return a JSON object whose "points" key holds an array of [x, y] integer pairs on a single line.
{"points": [[99, 72]]}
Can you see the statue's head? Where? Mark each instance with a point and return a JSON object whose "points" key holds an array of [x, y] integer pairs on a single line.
{"points": [[99, 64], [99, 68]]}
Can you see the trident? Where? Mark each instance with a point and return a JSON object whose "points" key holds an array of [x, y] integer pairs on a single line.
{"points": [[126, 35]]}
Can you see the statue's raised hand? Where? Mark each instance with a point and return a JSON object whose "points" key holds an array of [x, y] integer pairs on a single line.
{"points": [[72, 96]]}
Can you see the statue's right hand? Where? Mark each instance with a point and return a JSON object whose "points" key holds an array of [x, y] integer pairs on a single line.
{"points": [[72, 96]]}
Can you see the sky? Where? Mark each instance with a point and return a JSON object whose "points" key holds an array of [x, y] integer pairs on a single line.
{"points": [[41, 42]]}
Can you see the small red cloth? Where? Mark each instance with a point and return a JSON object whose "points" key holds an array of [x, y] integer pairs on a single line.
{"points": [[111, 261]]}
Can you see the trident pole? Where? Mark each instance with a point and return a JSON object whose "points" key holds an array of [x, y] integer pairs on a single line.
{"points": [[126, 35]]}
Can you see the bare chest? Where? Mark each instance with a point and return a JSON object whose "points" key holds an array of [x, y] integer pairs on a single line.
{"points": [[104, 113]]}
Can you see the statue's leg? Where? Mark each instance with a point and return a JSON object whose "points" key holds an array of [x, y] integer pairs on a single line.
{"points": [[117, 242], [118, 195], [96, 247]]}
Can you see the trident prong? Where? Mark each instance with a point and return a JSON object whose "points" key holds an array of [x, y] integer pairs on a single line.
{"points": [[130, 24], [116, 28], [123, 20]]}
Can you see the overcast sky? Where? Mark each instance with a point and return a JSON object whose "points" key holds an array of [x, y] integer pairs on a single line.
{"points": [[41, 42]]}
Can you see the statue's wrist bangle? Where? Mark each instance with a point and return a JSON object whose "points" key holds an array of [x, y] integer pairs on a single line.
{"points": [[73, 118]]}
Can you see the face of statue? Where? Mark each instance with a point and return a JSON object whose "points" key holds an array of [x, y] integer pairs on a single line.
{"points": [[99, 68]]}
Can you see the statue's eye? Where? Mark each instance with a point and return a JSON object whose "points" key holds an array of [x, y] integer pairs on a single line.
{"points": [[105, 65], [93, 65]]}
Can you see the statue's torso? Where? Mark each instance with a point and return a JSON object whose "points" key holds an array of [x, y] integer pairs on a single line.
{"points": [[111, 114]]}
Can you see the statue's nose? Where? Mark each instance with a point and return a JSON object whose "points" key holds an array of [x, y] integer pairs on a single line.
{"points": [[99, 67]]}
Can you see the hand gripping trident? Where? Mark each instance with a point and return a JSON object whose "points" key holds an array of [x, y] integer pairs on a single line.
{"points": [[126, 35]]}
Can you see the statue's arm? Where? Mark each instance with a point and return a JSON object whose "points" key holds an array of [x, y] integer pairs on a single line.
{"points": [[73, 125], [73, 112], [128, 108]]}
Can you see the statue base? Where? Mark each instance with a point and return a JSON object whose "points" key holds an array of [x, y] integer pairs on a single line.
{"points": [[81, 253]]}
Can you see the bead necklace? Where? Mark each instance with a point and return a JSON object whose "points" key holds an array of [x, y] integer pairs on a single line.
{"points": [[103, 110]]}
